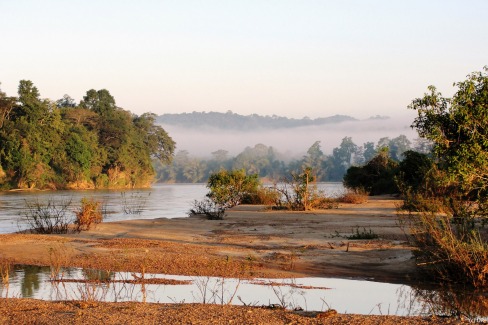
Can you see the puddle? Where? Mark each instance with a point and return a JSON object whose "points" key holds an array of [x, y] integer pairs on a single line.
{"points": [[310, 294]]}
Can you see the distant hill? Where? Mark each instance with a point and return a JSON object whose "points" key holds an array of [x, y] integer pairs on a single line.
{"points": [[233, 121]]}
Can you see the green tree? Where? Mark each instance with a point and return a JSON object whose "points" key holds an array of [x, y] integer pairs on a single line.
{"points": [[159, 143], [369, 151], [229, 188], [256, 160], [314, 160], [99, 101], [454, 245], [341, 159], [397, 146], [376, 177], [45, 144], [458, 129]]}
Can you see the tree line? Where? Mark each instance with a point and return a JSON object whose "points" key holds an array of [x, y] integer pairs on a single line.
{"points": [[234, 121], [271, 165], [64, 144]]}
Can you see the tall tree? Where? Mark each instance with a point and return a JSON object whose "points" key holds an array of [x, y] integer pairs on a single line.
{"points": [[99, 101], [458, 128], [314, 160], [341, 159]]}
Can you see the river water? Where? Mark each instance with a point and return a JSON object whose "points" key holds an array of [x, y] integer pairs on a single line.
{"points": [[174, 200], [159, 201]]}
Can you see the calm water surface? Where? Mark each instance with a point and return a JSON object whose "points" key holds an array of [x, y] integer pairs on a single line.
{"points": [[160, 201], [309, 294], [312, 294]]}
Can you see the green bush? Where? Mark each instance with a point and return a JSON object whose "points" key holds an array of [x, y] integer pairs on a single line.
{"points": [[230, 188]]}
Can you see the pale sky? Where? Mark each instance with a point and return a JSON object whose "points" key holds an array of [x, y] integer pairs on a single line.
{"points": [[292, 58]]}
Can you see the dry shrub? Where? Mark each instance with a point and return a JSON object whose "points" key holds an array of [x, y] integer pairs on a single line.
{"points": [[421, 201], [207, 208], [264, 195], [322, 202], [90, 213], [354, 197], [471, 305], [452, 250], [59, 257], [48, 218]]}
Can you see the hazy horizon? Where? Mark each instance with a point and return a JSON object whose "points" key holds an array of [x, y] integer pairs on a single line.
{"points": [[292, 142], [282, 57]]}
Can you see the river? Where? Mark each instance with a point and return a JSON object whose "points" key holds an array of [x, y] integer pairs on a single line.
{"points": [[159, 201]]}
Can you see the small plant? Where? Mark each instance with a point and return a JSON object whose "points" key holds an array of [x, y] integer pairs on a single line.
{"points": [[135, 203], [363, 234], [5, 269], [208, 208], [286, 298], [49, 218], [90, 213]]}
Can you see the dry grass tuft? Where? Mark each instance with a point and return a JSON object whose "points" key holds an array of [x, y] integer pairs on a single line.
{"points": [[354, 197], [90, 213]]}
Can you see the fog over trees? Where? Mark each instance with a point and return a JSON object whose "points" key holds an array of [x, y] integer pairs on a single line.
{"points": [[275, 146], [202, 133]]}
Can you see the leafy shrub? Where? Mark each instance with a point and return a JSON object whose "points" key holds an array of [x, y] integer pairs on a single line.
{"points": [[49, 218], [229, 188], [89, 213]]}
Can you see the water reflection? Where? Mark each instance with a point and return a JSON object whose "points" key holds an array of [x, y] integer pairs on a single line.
{"points": [[30, 282], [455, 302], [313, 294]]}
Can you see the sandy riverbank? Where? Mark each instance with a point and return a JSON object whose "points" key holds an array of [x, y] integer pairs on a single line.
{"points": [[250, 242]]}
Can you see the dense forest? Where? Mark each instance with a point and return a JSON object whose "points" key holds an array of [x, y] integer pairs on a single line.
{"points": [[273, 166], [90, 144], [95, 144], [233, 121]]}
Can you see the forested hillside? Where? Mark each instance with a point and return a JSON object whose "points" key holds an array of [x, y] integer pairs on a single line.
{"points": [[233, 121], [63, 144]]}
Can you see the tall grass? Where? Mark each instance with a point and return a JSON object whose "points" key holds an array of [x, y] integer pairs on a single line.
{"points": [[451, 249]]}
